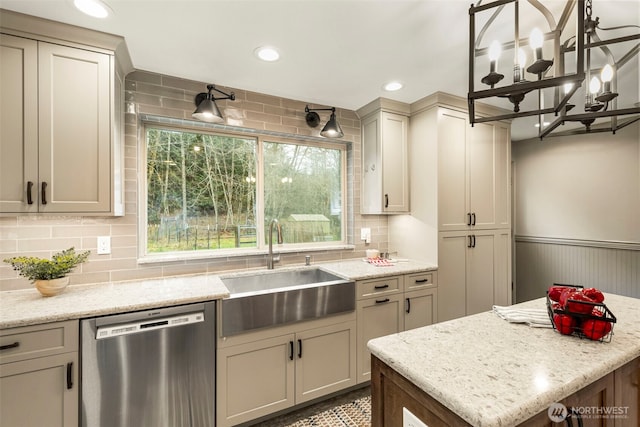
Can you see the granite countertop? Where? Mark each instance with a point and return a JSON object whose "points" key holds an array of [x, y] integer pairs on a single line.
{"points": [[358, 269], [494, 373], [28, 307]]}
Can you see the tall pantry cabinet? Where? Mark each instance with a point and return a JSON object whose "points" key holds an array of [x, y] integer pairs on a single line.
{"points": [[460, 205]]}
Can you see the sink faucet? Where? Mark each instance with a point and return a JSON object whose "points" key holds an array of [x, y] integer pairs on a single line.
{"points": [[271, 259]]}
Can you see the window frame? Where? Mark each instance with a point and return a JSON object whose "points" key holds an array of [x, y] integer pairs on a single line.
{"points": [[260, 138]]}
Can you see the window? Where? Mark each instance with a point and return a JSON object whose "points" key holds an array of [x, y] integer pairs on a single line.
{"points": [[218, 192]]}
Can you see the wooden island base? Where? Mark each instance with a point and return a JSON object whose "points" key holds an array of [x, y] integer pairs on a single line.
{"points": [[390, 392]]}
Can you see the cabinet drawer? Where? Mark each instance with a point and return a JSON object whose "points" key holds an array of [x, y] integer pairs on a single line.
{"points": [[36, 341], [420, 281], [384, 285]]}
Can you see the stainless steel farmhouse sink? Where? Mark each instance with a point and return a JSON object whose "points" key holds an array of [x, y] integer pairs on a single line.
{"points": [[273, 298]]}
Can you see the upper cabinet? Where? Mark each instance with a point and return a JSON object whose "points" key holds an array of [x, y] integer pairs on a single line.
{"points": [[385, 177], [474, 163], [61, 125]]}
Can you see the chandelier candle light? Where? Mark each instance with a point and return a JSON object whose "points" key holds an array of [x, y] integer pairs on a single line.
{"points": [[580, 49]]}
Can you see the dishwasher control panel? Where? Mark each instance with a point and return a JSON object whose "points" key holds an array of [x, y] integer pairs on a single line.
{"points": [[111, 331]]}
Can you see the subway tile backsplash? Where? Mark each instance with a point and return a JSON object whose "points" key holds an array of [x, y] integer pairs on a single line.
{"points": [[169, 96]]}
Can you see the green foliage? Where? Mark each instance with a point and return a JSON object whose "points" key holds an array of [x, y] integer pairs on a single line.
{"points": [[59, 265]]}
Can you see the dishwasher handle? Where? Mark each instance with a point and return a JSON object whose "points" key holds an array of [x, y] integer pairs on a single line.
{"points": [[145, 325]]}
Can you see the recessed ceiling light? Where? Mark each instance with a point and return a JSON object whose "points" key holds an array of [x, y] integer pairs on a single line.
{"points": [[392, 86], [95, 8], [266, 53]]}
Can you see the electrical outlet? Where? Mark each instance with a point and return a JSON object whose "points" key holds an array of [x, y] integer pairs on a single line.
{"points": [[104, 245], [365, 234], [410, 420]]}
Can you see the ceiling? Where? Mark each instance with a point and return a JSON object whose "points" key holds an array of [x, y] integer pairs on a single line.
{"points": [[333, 52]]}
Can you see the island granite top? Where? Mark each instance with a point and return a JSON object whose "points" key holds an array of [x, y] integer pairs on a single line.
{"points": [[494, 373]]}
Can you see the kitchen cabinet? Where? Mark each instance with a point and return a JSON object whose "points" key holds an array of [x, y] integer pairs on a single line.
{"points": [[627, 393], [377, 317], [257, 377], [473, 173], [61, 118], [389, 305], [474, 272], [39, 375], [385, 177]]}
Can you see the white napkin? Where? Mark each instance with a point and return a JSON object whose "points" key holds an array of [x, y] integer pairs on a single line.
{"points": [[534, 317]]}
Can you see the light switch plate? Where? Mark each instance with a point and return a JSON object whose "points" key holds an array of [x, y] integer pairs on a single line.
{"points": [[410, 420], [104, 245]]}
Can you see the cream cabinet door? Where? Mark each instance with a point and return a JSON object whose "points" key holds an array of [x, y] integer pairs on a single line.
{"points": [[75, 110], [385, 176], [420, 308], [627, 393], [325, 360], [377, 317], [474, 272], [40, 392], [474, 173], [18, 124], [255, 379]]}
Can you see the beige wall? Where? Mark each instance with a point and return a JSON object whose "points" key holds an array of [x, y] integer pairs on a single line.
{"points": [[173, 97]]}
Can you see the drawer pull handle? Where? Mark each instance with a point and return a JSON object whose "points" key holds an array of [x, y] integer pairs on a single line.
{"points": [[8, 346], [29, 187], [299, 349], [290, 350], [69, 375], [473, 215], [422, 280], [408, 305], [382, 301], [381, 287], [386, 200]]}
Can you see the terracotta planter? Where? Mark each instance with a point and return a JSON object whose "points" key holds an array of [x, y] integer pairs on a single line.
{"points": [[52, 287]]}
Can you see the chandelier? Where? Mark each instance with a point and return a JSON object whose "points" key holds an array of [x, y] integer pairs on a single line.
{"points": [[562, 63]]}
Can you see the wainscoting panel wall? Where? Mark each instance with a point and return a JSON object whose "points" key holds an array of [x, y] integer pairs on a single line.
{"points": [[610, 266]]}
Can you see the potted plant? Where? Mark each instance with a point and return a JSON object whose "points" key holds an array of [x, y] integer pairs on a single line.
{"points": [[49, 276]]}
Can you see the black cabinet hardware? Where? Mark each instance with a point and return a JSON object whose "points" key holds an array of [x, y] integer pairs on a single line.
{"points": [[473, 216], [386, 200], [44, 193], [421, 280], [469, 218], [470, 241], [408, 305], [381, 287], [474, 241], [8, 346], [382, 301], [29, 188], [69, 375], [290, 350], [299, 349]]}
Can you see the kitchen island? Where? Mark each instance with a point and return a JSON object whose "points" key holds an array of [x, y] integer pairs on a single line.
{"points": [[482, 371]]}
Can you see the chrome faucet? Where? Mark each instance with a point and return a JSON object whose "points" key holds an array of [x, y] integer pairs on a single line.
{"points": [[271, 259]]}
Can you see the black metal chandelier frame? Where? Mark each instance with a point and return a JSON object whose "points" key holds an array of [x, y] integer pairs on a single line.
{"points": [[516, 92]]}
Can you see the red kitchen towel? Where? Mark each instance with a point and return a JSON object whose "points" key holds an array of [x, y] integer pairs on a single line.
{"points": [[379, 262]]}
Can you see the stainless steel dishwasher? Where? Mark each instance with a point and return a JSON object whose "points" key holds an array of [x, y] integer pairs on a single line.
{"points": [[152, 368]]}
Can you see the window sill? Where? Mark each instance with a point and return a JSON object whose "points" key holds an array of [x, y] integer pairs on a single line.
{"points": [[231, 253]]}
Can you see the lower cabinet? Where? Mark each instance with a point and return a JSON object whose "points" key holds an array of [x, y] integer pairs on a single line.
{"points": [[392, 304], [258, 377], [377, 317], [474, 272], [39, 375]]}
